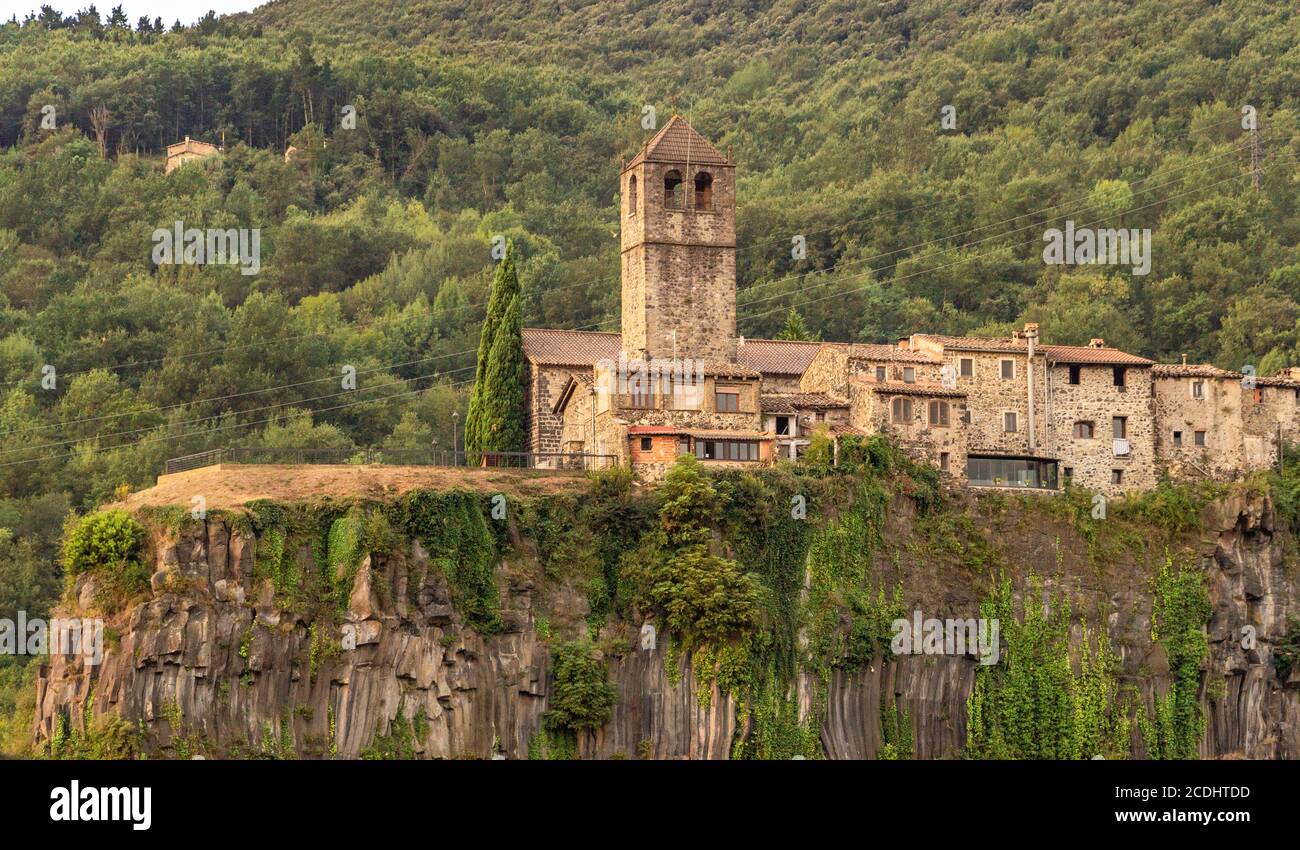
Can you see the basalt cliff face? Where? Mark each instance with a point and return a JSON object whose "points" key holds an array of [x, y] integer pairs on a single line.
{"points": [[209, 660]]}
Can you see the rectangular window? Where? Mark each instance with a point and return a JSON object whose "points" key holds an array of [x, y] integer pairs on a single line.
{"points": [[1118, 375], [684, 445], [1083, 430], [1011, 472], [726, 450], [1297, 398], [646, 444], [783, 426], [1199, 438], [726, 401], [1178, 438], [967, 367], [1009, 423], [1008, 369], [1117, 476], [909, 374], [939, 414], [1198, 389], [943, 461], [1076, 374], [1119, 427], [880, 374], [902, 410]]}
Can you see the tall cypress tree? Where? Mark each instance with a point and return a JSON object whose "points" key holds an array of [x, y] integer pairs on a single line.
{"points": [[495, 420], [796, 329]]}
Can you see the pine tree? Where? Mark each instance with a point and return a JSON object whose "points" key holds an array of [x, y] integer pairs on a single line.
{"points": [[495, 421], [796, 329]]}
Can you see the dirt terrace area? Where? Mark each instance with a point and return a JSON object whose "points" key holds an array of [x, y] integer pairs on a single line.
{"points": [[232, 485]]}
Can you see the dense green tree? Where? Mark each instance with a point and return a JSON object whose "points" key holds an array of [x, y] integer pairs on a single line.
{"points": [[495, 421], [796, 328]]}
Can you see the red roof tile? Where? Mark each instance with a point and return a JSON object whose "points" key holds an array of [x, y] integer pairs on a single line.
{"points": [[551, 347], [789, 402], [1191, 370], [1089, 354], [779, 356], [975, 343], [678, 142], [917, 389], [892, 353]]}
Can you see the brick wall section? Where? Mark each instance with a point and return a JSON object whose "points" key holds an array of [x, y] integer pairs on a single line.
{"points": [[1096, 399]]}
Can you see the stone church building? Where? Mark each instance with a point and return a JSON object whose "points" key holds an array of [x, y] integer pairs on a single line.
{"points": [[1014, 412]]}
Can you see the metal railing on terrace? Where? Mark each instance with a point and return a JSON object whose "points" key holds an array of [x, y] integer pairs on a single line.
{"points": [[392, 457]]}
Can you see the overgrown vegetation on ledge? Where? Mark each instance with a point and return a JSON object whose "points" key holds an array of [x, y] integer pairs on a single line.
{"points": [[766, 584]]}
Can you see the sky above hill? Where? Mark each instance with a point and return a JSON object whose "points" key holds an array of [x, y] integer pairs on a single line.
{"points": [[187, 11]]}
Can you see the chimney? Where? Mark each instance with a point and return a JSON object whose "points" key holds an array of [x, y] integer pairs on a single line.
{"points": [[1096, 342], [1184, 359], [740, 343]]}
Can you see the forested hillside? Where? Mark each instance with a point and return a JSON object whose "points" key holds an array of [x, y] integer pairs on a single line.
{"points": [[504, 118]]}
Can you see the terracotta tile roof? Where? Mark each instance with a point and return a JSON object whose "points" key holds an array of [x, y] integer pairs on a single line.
{"points": [[975, 343], [727, 435], [839, 429], [892, 353], [1088, 354], [1277, 382], [730, 370], [1191, 370], [678, 142], [550, 347], [917, 389], [789, 402], [779, 356]]}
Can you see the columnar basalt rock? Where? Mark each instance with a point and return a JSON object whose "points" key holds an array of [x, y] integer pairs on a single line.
{"points": [[209, 657]]}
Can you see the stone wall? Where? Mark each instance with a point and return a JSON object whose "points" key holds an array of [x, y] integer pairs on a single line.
{"points": [[546, 429], [1097, 400], [989, 396], [921, 438], [679, 267], [1218, 413]]}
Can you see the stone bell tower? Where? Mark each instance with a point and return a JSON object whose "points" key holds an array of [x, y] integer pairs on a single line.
{"points": [[678, 216]]}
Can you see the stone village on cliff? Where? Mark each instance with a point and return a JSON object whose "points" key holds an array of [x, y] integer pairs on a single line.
{"points": [[1016, 412]]}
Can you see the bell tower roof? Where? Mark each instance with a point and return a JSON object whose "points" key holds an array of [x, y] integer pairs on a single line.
{"points": [[678, 142]]}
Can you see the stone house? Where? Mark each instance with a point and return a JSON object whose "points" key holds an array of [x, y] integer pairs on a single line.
{"points": [[1217, 423], [1099, 417], [993, 412], [188, 151]]}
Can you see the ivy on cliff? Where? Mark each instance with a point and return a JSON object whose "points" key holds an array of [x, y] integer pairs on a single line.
{"points": [[463, 544], [1180, 610], [1035, 703]]}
